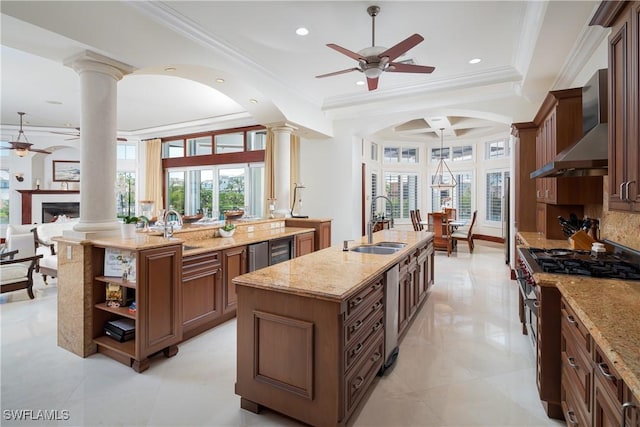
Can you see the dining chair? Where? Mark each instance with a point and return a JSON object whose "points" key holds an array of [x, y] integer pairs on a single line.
{"points": [[451, 213], [17, 273], [419, 220], [466, 234], [414, 220], [441, 230]]}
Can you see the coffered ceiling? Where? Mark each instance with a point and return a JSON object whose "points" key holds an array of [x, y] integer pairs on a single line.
{"points": [[182, 50]]}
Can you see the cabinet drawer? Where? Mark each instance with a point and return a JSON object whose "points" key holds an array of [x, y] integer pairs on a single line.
{"points": [[363, 340], [573, 325], [576, 368], [196, 265], [609, 379], [573, 410], [371, 307], [365, 298], [357, 382]]}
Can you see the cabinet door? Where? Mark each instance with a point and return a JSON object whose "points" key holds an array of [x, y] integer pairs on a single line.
{"points": [[201, 290], [305, 244], [158, 299], [234, 263]]}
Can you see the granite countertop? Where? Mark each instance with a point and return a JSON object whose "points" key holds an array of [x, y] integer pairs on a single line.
{"points": [[200, 245], [609, 308], [332, 273]]}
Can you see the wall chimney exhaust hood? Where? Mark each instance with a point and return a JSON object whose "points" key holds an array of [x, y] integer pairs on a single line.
{"points": [[589, 156]]}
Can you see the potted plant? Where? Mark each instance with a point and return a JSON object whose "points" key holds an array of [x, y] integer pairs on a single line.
{"points": [[227, 230], [129, 225]]}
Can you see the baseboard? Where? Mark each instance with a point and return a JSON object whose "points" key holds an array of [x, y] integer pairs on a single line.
{"points": [[488, 238]]}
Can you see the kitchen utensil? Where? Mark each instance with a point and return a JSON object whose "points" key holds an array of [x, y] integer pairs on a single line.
{"points": [[574, 221], [581, 240]]}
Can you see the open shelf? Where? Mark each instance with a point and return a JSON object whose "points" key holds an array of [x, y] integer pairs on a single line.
{"points": [[127, 348], [116, 280], [120, 311]]}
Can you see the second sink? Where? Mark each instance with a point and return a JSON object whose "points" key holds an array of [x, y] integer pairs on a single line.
{"points": [[375, 249]]}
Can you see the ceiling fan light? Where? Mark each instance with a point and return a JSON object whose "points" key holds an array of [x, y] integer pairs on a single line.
{"points": [[372, 73], [21, 152]]}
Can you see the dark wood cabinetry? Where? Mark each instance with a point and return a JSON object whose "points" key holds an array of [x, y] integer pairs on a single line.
{"points": [[157, 317], [547, 333], [416, 277], [624, 102], [304, 244], [201, 292], [234, 264], [607, 392], [322, 229], [524, 153]]}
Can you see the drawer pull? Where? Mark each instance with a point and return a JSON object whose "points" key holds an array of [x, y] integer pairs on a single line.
{"points": [[376, 286], [625, 406], [571, 319], [571, 418], [356, 326], [604, 369], [357, 349], [572, 362], [376, 356], [356, 302], [357, 385], [376, 326], [376, 306], [536, 304]]}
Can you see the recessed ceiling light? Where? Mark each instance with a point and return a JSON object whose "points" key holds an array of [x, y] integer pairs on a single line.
{"points": [[54, 102], [302, 31], [360, 83], [253, 101], [474, 60], [219, 80], [436, 119], [170, 69]]}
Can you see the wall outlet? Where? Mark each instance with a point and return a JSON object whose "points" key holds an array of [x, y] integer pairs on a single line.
{"points": [[250, 229]]}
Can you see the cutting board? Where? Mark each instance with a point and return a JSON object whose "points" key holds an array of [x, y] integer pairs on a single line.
{"points": [[581, 240]]}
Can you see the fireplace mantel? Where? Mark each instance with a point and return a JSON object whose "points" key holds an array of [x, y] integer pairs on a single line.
{"points": [[27, 200]]}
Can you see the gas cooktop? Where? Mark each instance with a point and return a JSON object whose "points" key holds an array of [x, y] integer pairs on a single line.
{"points": [[566, 261]]}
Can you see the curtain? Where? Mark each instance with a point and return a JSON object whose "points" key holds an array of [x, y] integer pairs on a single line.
{"points": [[269, 166], [294, 165], [153, 177]]}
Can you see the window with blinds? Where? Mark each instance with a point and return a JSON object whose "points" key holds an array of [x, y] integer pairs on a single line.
{"points": [[402, 189], [374, 191], [494, 194], [459, 197]]}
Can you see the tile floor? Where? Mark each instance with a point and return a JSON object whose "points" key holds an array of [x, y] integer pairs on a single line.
{"points": [[463, 362]]}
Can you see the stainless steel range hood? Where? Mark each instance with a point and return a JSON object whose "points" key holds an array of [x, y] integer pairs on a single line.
{"points": [[589, 156]]}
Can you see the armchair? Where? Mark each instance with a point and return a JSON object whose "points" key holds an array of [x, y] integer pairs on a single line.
{"points": [[16, 274]]}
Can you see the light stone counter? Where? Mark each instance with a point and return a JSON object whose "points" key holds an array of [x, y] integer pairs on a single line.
{"points": [[538, 240], [332, 273]]}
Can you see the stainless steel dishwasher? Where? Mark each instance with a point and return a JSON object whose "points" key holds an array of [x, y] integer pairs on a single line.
{"points": [[391, 290], [258, 256]]}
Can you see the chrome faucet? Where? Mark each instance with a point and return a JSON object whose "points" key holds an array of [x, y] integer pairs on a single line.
{"points": [[168, 229], [373, 222]]}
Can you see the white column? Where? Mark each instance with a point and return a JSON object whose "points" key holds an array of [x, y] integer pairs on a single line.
{"points": [[99, 76], [282, 172]]}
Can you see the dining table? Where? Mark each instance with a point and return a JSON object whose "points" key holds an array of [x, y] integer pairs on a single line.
{"points": [[454, 224]]}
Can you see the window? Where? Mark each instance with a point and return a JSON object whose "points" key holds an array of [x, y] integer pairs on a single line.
{"points": [[229, 142], [125, 193], [172, 149], [409, 155], [374, 151], [402, 189], [199, 146], [4, 196], [437, 154], [462, 154], [400, 154], [374, 191], [256, 140], [217, 189], [459, 197], [495, 195], [497, 149], [391, 154], [126, 151]]}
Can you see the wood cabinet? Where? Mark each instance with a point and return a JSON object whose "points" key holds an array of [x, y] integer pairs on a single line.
{"points": [[304, 243], [607, 392], [158, 325], [547, 218], [524, 153], [234, 264], [624, 102], [416, 277], [576, 383], [547, 336], [201, 292], [322, 228]]}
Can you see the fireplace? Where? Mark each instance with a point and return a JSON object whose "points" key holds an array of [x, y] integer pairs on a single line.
{"points": [[32, 201], [50, 211]]}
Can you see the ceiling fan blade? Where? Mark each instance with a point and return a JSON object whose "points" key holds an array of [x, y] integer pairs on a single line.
{"points": [[397, 50], [335, 73], [65, 133], [37, 150], [372, 83], [347, 52], [122, 139], [6, 148], [396, 67]]}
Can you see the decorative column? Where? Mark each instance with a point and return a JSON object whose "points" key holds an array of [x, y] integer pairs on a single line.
{"points": [[282, 169], [99, 76]]}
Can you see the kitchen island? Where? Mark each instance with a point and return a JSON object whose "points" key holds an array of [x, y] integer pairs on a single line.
{"points": [[313, 332]]}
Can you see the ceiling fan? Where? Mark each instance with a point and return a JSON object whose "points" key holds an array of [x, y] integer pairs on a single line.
{"points": [[76, 135], [23, 147], [374, 60]]}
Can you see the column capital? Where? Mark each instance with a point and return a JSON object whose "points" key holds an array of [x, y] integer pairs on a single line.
{"points": [[91, 61], [282, 128]]}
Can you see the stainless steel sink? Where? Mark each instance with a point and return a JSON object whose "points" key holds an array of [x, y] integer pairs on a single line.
{"points": [[189, 247], [374, 249], [398, 245]]}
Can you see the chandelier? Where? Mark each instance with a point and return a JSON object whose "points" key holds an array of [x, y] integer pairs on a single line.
{"points": [[440, 181]]}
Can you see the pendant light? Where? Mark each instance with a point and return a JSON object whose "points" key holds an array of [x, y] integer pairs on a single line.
{"points": [[439, 181]]}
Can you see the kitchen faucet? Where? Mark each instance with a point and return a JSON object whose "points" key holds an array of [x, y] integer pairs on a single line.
{"points": [[168, 230], [373, 222]]}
